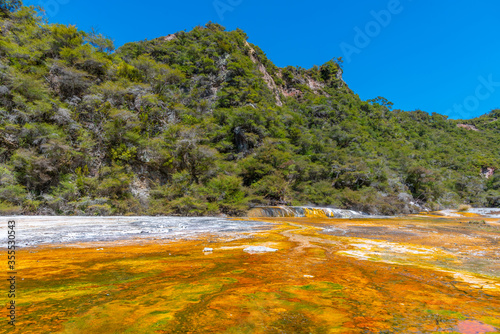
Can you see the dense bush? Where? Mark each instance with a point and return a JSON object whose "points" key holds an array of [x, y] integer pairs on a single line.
{"points": [[202, 123]]}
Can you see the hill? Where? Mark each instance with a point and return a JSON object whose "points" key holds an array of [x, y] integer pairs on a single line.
{"points": [[202, 122]]}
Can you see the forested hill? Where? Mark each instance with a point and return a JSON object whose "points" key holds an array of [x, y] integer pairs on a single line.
{"points": [[202, 122]]}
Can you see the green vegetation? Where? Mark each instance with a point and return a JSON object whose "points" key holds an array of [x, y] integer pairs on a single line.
{"points": [[202, 122]]}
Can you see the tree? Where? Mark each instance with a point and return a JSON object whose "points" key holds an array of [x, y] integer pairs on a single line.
{"points": [[421, 182], [100, 41], [382, 101], [8, 6]]}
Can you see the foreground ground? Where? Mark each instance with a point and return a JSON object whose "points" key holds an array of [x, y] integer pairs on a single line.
{"points": [[398, 275]]}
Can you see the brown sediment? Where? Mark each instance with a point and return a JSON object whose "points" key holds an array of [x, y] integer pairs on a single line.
{"points": [[474, 327], [405, 275]]}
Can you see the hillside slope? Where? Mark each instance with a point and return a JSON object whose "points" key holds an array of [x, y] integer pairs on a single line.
{"points": [[202, 122]]}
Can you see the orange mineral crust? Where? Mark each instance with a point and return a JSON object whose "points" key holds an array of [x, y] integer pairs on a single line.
{"points": [[304, 275]]}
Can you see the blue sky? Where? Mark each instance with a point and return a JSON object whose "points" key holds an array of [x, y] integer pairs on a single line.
{"points": [[437, 56]]}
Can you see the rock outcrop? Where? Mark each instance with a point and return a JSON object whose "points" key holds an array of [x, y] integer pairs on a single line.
{"points": [[467, 127], [487, 172]]}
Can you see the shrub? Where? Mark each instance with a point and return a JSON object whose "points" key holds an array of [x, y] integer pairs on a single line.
{"points": [[274, 188], [191, 206], [27, 86], [99, 210], [228, 193], [464, 208], [65, 37], [114, 182], [68, 82], [7, 208]]}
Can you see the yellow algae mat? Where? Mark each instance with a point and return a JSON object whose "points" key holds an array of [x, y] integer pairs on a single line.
{"points": [[400, 275]]}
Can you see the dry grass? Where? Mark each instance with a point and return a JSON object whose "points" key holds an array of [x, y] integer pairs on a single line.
{"points": [[464, 208]]}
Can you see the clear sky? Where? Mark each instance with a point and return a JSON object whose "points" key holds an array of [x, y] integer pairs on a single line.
{"points": [[434, 55]]}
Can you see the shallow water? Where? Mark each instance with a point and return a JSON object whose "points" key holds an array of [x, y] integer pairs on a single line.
{"points": [[400, 275], [44, 230]]}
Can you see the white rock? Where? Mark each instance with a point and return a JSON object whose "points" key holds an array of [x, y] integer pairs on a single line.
{"points": [[259, 249], [206, 249]]}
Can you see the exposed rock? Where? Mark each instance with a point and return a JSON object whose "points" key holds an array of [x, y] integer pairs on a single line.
{"points": [[169, 37], [208, 250], [240, 139], [140, 189], [4, 90], [339, 75], [487, 172], [467, 127], [314, 85], [288, 92], [266, 76]]}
